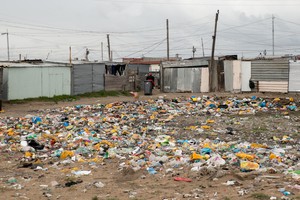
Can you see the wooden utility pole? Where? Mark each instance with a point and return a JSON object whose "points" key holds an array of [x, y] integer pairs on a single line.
{"points": [[87, 52], [213, 76], [273, 49], [101, 51], [202, 47], [194, 51], [7, 43], [108, 46], [70, 55], [168, 44]]}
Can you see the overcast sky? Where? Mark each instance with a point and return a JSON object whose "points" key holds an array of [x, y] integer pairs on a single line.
{"points": [[45, 29]]}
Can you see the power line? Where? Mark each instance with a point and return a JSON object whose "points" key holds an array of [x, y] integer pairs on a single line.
{"points": [[287, 21], [158, 43]]}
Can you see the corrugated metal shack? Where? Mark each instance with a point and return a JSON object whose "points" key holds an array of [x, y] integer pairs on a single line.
{"points": [[185, 76], [270, 75], [31, 79]]}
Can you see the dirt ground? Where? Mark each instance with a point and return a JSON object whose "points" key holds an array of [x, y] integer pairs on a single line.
{"points": [[44, 177]]}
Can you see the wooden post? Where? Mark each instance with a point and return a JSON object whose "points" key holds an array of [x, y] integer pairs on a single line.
{"points": [[108, 46], [70, 55], [213, 77], [168, 44]]}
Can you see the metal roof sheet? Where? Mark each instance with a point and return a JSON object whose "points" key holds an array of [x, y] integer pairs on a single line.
{"points": [[185, 63], [25, 64]]}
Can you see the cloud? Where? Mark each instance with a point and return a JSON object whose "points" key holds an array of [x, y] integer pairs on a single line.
{"points": [[138, 27]]}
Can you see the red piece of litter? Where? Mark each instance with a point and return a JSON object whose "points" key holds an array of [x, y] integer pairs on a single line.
{"points": [[182, 179]]}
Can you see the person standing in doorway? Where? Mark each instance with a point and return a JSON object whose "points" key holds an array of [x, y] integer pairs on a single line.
{"points": [[151, 78]]}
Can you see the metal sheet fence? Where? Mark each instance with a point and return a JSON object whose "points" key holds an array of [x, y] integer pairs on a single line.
{"points": [[182, 79], [270, 70], [88, 78]]}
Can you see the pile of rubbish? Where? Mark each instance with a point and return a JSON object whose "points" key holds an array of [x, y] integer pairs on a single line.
{"points": [[157, 135]]}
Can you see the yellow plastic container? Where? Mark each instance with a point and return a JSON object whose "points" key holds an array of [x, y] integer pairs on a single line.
{"points": [[196, 156], [66, 154], [245, 156], [246, 165], [256, 146]]}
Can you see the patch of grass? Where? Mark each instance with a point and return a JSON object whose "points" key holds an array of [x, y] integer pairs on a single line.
{"points": [[60, 98], [260, 196], [105, 94], [64, 98], [45, 99], [226, 198], [95, 198]]}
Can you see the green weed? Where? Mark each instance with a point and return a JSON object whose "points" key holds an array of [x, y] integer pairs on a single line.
{"points": [[260, 196], [64, 98]]}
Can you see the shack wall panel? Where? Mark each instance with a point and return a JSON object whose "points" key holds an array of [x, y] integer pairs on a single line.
{"points": [[88, 78], [228, 75], [116, 82], [196, 86], [246, 76], [270, 70], [32, 82], [98, 78], [83, 79], [177, 78], [166, 79], [237, 84], [1, 82], [5, 84], [273, 86], [181, 86], [294, 74], [188, 80], [24, 83], [204, 79], [173, 78], [55, 81]]}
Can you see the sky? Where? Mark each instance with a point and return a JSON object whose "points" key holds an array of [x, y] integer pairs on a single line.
{"points": [[46, 29]]}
